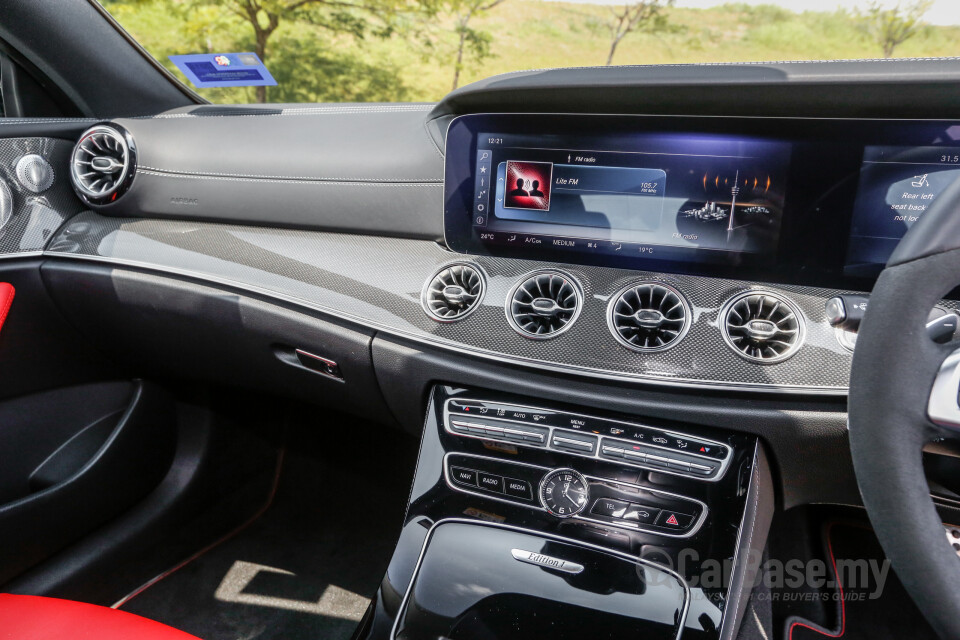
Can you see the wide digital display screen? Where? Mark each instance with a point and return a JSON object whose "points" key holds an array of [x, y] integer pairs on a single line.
{"points": [[658, 196], [812, 201]]}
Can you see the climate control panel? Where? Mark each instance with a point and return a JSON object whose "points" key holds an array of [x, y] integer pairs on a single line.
{"points": [[623, 443]]}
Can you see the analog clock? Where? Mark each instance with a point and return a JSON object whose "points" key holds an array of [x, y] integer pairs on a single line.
{"points": [[564, 492]]}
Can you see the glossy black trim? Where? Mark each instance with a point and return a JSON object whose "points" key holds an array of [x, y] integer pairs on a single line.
{"points": [[633, 488], [432, 500], [623, 556]]}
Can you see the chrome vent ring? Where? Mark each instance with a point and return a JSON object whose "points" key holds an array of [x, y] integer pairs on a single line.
{"points": [[544, 304], [102, 164], [762, 327], [453, 292], [648, 316]]}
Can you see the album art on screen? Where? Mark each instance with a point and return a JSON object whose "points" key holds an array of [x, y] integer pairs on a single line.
{"points": [[528, 185]]}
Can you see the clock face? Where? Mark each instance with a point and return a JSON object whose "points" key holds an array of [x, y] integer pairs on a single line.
{"points": [[564, 493]]}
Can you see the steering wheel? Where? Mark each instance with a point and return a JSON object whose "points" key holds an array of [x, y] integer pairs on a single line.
{"points": [[903, 394]]}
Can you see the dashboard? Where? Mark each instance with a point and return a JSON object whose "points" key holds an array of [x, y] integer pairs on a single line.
{"points": [[804, 201], [679, 251]]}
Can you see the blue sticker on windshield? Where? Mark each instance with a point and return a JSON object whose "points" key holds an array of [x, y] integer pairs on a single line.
{"points": [[207, 70]]}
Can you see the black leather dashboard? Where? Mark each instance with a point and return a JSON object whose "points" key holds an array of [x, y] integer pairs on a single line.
{"points": [[352, 168]]}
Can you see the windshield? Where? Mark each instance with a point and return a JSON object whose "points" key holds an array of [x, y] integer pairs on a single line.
{"points": [[243, 51]]}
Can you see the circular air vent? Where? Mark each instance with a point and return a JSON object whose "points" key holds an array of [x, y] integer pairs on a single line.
{"points": [[762, 327], [544, 304], [648, 316], [453, 293], [103, 164]]}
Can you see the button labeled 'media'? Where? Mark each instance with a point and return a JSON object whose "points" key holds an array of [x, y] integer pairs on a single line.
{"points": [[518, 488]]}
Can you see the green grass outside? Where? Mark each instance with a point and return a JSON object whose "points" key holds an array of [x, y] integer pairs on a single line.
{"points": [[526, 34]]}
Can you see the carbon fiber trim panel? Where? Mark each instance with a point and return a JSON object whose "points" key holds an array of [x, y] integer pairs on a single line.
{"points": [[377, 282], [34, 216]]}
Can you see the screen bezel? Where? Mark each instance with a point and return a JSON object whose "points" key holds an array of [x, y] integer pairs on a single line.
{"points": [[817, 215]]}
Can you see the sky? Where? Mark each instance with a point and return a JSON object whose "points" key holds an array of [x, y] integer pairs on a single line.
{"points": [[944, 12]]}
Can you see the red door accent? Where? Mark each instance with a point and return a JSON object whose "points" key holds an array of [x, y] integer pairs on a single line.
{"points": [[6, 299]]}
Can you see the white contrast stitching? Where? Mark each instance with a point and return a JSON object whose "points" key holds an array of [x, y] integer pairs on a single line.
{"points": [[286, 178], [355, 183], [13, 121]]}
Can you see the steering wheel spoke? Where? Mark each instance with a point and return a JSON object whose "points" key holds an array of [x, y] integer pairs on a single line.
{"points": [[943, 407]]}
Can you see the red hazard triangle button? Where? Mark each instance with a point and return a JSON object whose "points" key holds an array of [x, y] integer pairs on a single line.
{"points": [[674, 520]]}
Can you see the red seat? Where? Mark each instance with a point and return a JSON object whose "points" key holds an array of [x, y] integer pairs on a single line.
{"points": [[37, 618]]}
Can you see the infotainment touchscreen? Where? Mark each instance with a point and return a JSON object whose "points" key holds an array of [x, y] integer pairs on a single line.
{"points": [[665, 196]]}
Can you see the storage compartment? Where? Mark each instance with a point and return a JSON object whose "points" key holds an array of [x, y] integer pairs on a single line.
{"points": [[75, 458], [479, 581], [164, 327]]}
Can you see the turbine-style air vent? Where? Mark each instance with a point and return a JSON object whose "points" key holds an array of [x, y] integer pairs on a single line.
{"points": [[453, 293], [103, 164], [648, 316], [544, 304], [762, 327]]}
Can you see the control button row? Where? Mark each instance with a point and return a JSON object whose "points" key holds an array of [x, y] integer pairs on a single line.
{"points": [[641, 514], [591, 425], [491, 482], [613, 449], [503, 412], [575, 442], [512, 433]]}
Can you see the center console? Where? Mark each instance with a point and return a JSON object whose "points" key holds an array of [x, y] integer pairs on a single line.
{"points": [[529, 518]]}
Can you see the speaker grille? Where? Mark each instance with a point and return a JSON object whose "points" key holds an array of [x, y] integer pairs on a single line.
{"points": [[34, 173]]}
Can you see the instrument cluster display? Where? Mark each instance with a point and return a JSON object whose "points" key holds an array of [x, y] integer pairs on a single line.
{"points": [[897, 185]]}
